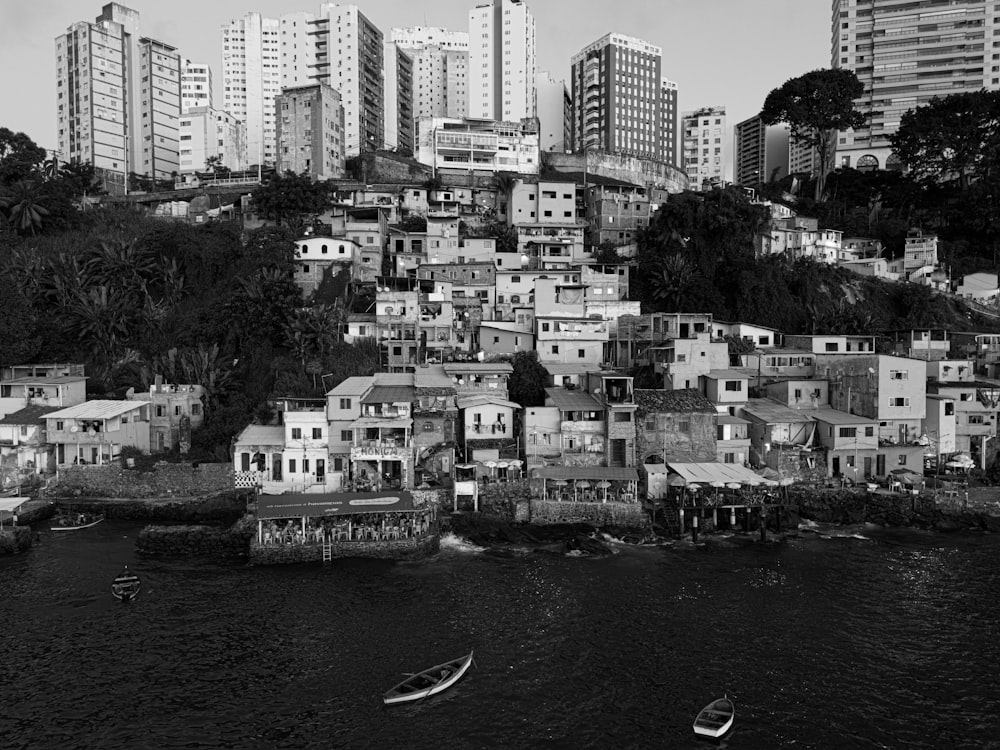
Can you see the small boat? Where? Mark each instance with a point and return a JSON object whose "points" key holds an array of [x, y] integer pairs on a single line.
{"points": [[77, 522], [716, 718], [429, 682], [126, 585]]}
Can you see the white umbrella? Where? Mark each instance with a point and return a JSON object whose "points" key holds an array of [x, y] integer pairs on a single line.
{"points": [[733, 485], [604, 484], [491, 465], [502, 464]]}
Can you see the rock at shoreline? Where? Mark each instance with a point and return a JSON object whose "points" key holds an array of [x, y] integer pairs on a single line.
{"points": [[588, 545]]}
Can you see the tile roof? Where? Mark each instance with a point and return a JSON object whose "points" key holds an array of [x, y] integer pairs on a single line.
{"points": [[390, 394], [566, 400], [29, 415], [679, 400], [98, 409]]}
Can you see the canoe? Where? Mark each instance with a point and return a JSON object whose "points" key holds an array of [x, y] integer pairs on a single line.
{"points": [[429, 682], [716, 718], [77, 526], [126, 586]]}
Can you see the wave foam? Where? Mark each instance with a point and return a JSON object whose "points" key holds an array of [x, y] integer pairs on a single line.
{"points": [[457, 544]]}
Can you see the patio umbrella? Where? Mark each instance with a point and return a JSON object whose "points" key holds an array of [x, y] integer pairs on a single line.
{"points": [[676, 480], [559, 482], [733, 485], [491, 465], [604, 484], [503, 464]]}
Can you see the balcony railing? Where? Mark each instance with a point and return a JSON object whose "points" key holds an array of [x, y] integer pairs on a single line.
{"points": [[489, 429]]}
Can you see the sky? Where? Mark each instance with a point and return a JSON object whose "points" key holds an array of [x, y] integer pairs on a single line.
{"points": [[720, 52]]}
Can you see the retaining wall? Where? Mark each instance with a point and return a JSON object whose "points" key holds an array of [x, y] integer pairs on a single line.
{"points": [[15, 539], [196, 540], [394, 549], [629, 515], [165, 480], [223, 506]]}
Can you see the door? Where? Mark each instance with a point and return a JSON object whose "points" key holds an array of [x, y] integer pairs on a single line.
{"points": [[321, 470], [276, 467], [618, 452], [836, 466], [868, 466], [880, 465]]}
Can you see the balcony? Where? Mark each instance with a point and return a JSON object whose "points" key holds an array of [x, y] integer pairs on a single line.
{"points": [[488, 430]]}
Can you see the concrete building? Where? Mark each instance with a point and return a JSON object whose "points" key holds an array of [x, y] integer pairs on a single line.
{"points": [[107, 115], [760, 152], [399, 114], [310, 123], [905, 54], [478, 148], [617, 91], [502, 61], [704, 138], [297, 50], [94, 432], [251, 79], [20, 389], [976, 408], [555, 129], [196, 86], [206, 132], [919, 251], [440, 67], [349, 59], [674, 425], [671, 115], [174, 411]]}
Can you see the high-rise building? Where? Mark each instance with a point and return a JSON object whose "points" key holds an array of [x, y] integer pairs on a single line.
{"points": [[159, 110], [501, 61], [349, 59], [905, 53], [668, 132], [556, 130], [251, 78], [196, 86], [207, 132], [618, 104], [399, 120], [440, 66], [761, 152], [704, 146], [310, 122], [111, 111], [298, 50]]}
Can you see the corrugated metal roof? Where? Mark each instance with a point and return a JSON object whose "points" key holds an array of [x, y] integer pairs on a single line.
{"points": [[574, 400], [470, 401], [835, 416], [494, 367], [56, 380], [353, 386], [432, 376], [727, 419], [97, 410], [262, 434], [611, 473], [706, 473], [390, 394], [774, 412]]}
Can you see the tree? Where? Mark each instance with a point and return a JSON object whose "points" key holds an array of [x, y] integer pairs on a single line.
{"points": [[23, 208], [291, 199], [18, 341], [527, 382], [20, 157], [957, 136], [815, 106], [503, 184]]}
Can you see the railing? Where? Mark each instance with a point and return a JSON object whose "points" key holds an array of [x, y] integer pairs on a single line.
{"points": [[489, 429]]}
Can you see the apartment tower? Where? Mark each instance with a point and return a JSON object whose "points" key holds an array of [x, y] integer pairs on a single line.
{"points": [[251, 77], [310, 123], [440, 66], [399, 121], [196, 86], [906, 53], [618, 104], [760, 153], [501, 61], [704, 147]]}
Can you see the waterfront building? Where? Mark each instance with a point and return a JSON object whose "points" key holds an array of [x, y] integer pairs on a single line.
{"points": [[310, 132], [343, 409], [905, 54], [850, 443], [486, 426], [502, 61], [760, 152], [24, 449], [435, 417], [41, 385], [206, 132], [175, 410], [196, 86], [976, 407], [675, 425], [382, 449], [783, 438], [619, 105], [94, 432], [704, 146]]}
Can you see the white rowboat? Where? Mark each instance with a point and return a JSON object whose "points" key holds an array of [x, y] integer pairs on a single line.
{"points": [[77, 526], [429, 682], [716, 718]]}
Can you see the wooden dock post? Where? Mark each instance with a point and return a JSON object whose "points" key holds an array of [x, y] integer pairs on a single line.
{"points": [[763, 523], [694, 528], [746, 519], [732, 517]]}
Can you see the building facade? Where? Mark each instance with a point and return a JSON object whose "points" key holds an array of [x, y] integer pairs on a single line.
{"points": [[905, 54], [310, 122], [251, 79], [440, 66], [502, 61], [704, 137], [196, 86], [206, 132], [399, 119], [618, 104], [159, 110], [760, 152]]}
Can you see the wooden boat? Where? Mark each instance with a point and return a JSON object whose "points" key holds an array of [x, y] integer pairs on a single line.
{"points": [[80, 521], [429, 682], [126, 585], [716, 718]]}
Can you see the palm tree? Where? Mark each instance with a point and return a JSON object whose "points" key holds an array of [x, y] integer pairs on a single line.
{"points": [[503, 184], [22, 208], [669, 280]]}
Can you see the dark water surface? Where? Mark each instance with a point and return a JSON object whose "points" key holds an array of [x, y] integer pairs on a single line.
{"points": [[890, 640]]}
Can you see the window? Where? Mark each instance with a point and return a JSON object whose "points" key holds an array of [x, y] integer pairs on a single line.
{"points": [[869, 432], [965, 397], [581, 353], [899, 374], [555, 348], [623, 416], [160, 410], [651, 422], [831, 346], [798, 393], [305, 465], [338, 464], [899, 401], [345, 403], [195, 410], [496, 339], [291, 466], [734, 385], [59, 424], [296, 433], [728, 458], [397, 351], [684, 427], [976, 419], [317, 433], [848, 432], [346, 436]]}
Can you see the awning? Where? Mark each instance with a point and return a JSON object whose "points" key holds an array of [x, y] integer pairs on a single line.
{"points": [[611, 473], [11, 504], [332, 504], [707, 473]]}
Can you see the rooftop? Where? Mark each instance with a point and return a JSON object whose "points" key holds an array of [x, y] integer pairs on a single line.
{"points": [[97, 410], [487, 367], [728, 374], [56, 380], [29, 415], [567, 400], [390, 394], [262, 434], [771, 411], [432, 376], [835, 416], [680, 400], [466, 402], [353, 386]]}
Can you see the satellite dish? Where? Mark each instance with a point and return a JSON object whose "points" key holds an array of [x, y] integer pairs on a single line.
{"points": [[871, 370], [74, 428]]}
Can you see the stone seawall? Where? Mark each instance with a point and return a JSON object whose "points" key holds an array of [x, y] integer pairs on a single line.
{"points": [[224, 506], [15, 539], [196, 540], [621, 515], [395, 549], [165, 480]]}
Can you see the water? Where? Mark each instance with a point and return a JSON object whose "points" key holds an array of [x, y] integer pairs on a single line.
{"points": [[844, 638]]}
